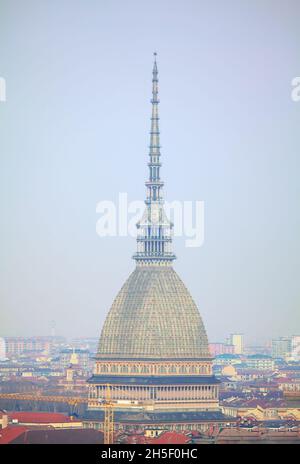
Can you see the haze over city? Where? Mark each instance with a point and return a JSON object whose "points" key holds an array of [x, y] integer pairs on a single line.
{"points": [[75, 130]]}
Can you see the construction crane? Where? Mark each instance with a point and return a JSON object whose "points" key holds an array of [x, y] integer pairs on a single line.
{"points": [[71, 400], [107, 402], [108, 424], [38, 397]]}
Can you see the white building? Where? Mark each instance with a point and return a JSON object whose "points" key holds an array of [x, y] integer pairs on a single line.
{"points": [[260, 362], [237, 340], [295, 352], [2, 349]]}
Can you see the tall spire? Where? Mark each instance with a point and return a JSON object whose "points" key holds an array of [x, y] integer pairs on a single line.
{"points": [[154, 239], [154, 185], [154, 133]]}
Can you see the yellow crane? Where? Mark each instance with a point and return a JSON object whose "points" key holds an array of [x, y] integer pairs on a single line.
{"points": [[108, 425], [72, 400], [108, 405]]}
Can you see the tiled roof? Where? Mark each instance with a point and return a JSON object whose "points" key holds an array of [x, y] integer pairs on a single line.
{"points": [[64, 436], [172, 438], [153, 316], [9, 434], [38, 417]]}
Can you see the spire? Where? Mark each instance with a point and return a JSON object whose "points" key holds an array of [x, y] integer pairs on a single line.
{"points": [[154, 240], [154, 185], [154, 133]]}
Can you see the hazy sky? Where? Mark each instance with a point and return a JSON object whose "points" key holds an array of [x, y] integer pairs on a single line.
{"points": [[74, 131]]}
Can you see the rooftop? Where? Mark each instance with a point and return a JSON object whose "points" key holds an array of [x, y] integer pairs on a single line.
{"points": [[38, 417], [161, 417], [64, 436], [9, 434], [153, 317], [154, 380]]}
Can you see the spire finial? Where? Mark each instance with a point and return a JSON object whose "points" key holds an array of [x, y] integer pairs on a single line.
{"points": [[155, 72]]}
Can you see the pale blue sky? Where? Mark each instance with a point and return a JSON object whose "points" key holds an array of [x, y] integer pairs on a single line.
{"points": [[74, 131]]}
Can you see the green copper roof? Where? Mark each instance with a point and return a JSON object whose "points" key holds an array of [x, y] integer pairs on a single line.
{"points": [[153, 317]]}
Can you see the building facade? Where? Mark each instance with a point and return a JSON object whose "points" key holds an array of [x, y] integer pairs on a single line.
{"points": [[75, 356], [2, 349], [260, 362], [16, 346], [295, 348], [220, 348], [237, 340], [281, 347]]}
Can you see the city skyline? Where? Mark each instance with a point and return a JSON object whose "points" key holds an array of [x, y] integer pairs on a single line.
{"points": [[229, 141]]}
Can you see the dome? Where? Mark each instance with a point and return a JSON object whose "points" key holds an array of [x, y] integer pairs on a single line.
{"points": [[153, 317]]}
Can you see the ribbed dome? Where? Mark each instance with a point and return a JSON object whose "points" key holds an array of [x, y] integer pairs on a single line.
{"points": [[153, 317]]}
